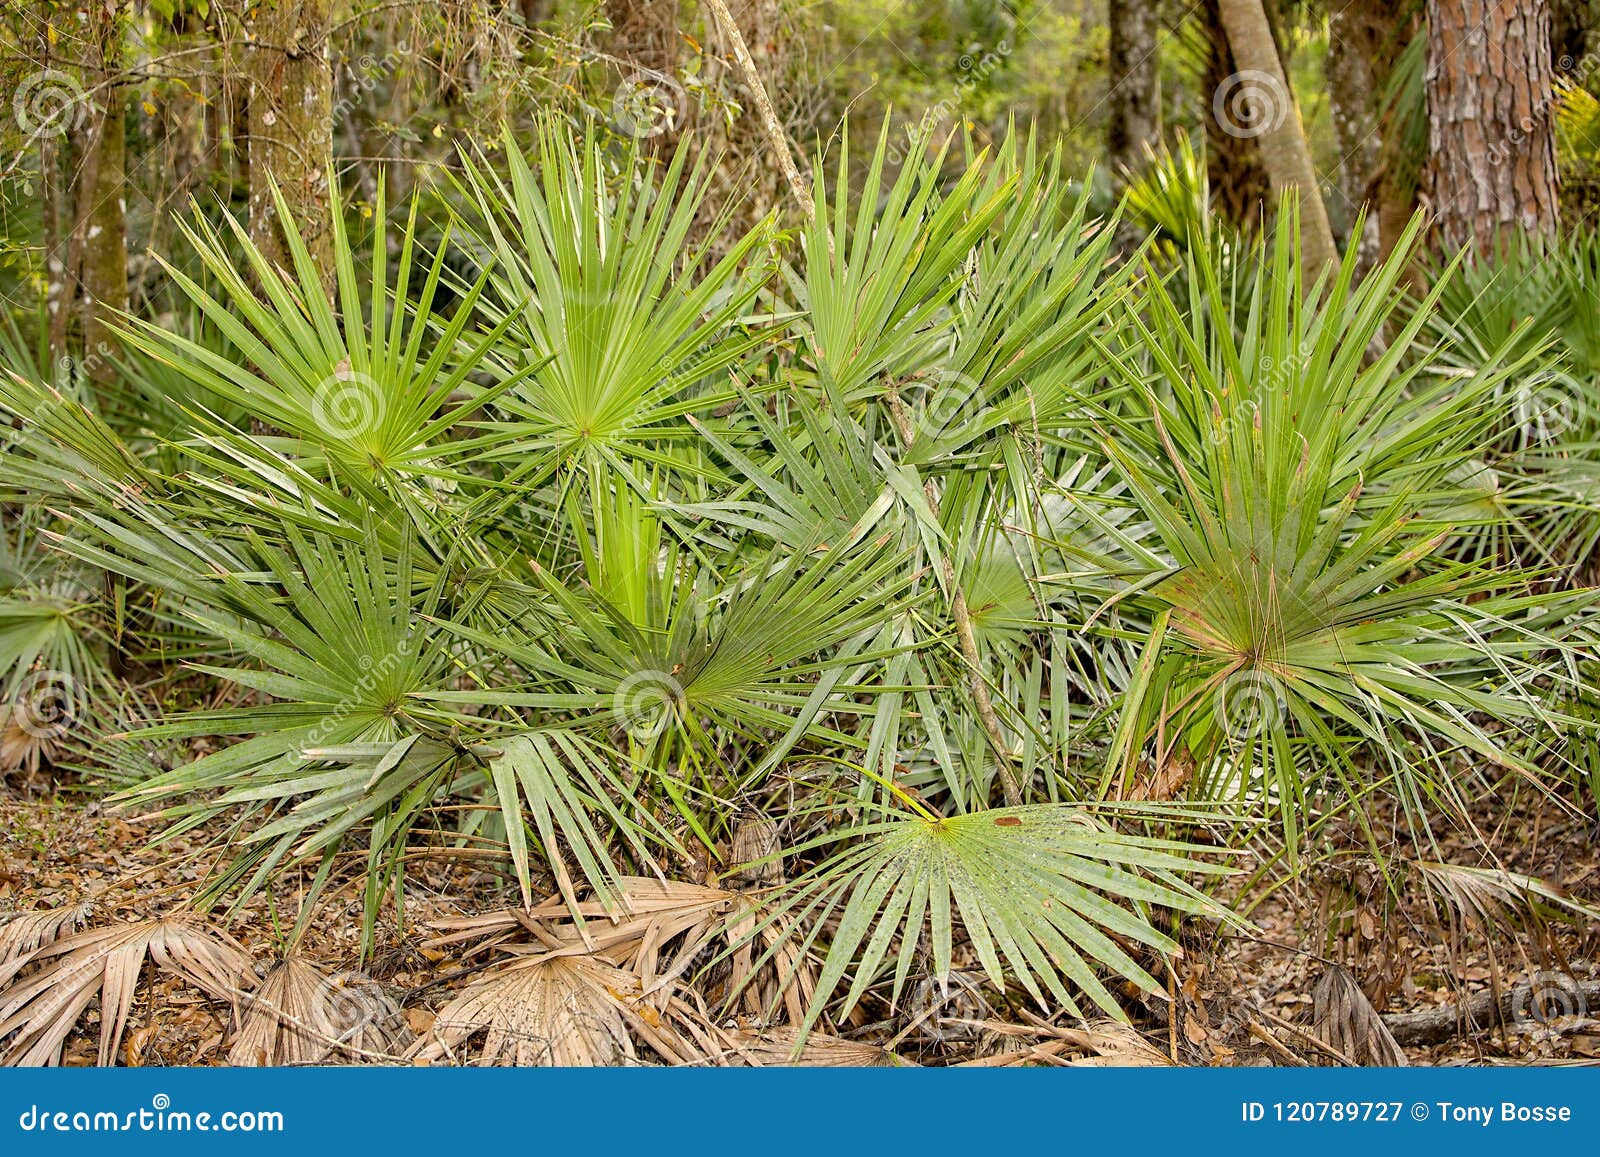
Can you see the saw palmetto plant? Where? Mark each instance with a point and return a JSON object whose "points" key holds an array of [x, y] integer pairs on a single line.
{"points": [[793, 620]]}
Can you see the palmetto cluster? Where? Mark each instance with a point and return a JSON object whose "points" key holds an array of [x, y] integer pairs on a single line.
{"points": [[983, 568]]}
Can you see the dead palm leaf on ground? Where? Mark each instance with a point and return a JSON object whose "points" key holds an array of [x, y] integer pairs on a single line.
{"points": [[1345, 1020], [1092, 1044], [668, 929], [564, 1009], [40, 1010], [1489, 898], [775, 1047], [299, 1016], [27, 932]]}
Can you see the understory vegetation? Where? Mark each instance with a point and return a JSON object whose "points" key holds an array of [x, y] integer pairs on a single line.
{"points": [[803, 624]]}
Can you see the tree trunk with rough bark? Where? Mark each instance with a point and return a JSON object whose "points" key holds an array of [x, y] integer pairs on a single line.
{"points": [[1257, 101], [291, 126], [1134, 90], [104, 218], [1491, 142]]}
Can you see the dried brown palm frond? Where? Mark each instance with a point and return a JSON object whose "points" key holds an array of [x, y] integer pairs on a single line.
{"points": [[775, 1047], [565, 1008], [24, 746], [665, 929], [39, 1010], [1491, 898], [1344, 1019], [1093, 1044], [27, 932], [298, 1016]]}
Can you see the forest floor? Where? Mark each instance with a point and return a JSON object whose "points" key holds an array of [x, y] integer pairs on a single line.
{"points": [[1243, 998]]}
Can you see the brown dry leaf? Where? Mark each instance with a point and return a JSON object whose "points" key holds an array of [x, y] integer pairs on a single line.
{"points": [[1107, 1043], [549, 1011], [298, 1016], [43, 1008], [664, 929], [25, 747], [29, 931], [1343, 1019], [774, 1047]]}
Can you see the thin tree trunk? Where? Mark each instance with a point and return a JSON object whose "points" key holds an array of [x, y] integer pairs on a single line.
{"points": [[291, 127], [765, 114], [1263, 105], [104, 221], [1491, 146], [1133, 79], [1352, 62], [57, 275], [1239, 184]]}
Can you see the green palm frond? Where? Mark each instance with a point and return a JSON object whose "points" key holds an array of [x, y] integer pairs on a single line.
{"points": [[1045, 895]]}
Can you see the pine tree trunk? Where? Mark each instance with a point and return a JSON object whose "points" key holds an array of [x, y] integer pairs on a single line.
{"points": [[1134, 92], [1263, 105], [1491, 145], [104, 220], [291, 127]]}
